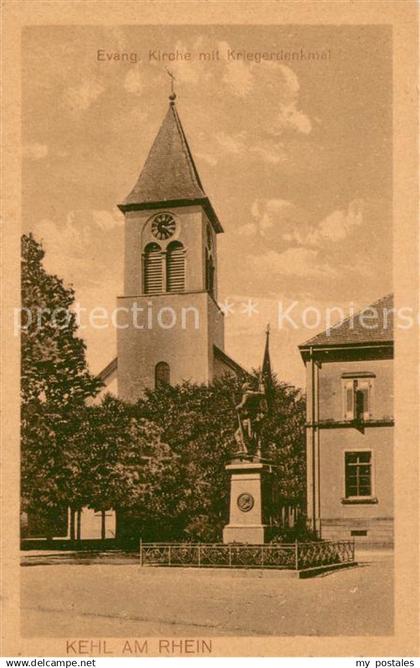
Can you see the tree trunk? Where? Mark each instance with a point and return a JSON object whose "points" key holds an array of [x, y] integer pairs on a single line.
{"points": [[72, 525], [117, 524], [79, 522], [103, 524], [49, 534]]}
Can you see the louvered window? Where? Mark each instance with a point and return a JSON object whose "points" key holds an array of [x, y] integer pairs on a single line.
{"points": [[175, 267], [152, 269]]}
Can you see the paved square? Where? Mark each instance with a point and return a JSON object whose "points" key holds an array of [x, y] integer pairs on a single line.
{"points": [[123, 600]]}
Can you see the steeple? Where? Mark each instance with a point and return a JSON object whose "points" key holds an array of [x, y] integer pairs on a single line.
{"points": [[266, 373], [169, 176], [170, 273]]}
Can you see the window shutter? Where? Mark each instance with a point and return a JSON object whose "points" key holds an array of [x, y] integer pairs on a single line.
{"points": [[348, 400], [175, 275], [152, 270], [369, 407], [365, 387]]}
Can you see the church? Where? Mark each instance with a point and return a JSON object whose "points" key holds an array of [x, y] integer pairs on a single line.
{"points": [[171, 328]]}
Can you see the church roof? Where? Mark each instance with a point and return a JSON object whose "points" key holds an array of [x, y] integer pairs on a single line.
{"points": [[108, 370], [229, 362], [361, 328], [169, 176]]}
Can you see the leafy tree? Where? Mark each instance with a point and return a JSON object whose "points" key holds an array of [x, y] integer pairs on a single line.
{"points": [[124, 465], [55, 383], [284, 436], [159, 463], [54, 365], [198, 423]]}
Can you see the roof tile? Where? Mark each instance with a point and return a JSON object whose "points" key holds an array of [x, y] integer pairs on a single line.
{"points": [[169, 173], [353, 330]]}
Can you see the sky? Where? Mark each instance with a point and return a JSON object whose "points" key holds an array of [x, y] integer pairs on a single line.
{"points": [[295, 155]]}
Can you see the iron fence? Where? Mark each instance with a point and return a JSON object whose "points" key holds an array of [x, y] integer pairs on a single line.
{"points": [[291, 556]]}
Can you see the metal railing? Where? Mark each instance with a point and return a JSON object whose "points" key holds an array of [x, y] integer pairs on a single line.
{"points": [[292, 556]]}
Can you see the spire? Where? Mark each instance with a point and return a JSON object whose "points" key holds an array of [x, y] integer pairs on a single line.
{"points": [[266, 373], [169, 176]]}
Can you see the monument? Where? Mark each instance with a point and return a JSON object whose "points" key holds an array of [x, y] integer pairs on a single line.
{"points": [[250, 474]]}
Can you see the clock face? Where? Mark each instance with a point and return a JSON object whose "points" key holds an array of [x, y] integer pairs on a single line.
{"points": [[163, 226]]}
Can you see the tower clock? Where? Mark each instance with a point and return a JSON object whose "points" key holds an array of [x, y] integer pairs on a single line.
{"points": [[163, 226]]}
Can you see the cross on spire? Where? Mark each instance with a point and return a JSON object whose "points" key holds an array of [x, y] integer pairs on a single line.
{"points": [[172, 96], [169, 173]]}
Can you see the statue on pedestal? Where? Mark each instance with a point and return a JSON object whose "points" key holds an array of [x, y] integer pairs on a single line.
{"points": [[251, 476], [251, 411]]}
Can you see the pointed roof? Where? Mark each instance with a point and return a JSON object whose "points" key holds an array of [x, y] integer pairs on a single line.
{"points": [[360, 328], [266, 372], [169, 176]]}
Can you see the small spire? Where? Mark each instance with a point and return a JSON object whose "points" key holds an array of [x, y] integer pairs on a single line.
{"points": [[172, 96], [266, 373]]}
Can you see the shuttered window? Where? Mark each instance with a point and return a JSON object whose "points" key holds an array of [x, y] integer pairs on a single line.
{"points": [[152, 269], [358, 399], [175, 267]]}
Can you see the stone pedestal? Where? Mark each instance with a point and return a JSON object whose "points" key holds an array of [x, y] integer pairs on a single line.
{"points": [[250, 489]]}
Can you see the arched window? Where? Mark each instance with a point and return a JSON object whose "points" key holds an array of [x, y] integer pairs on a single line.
{"points": [[175, 267], [152, 269], [162, 374]]}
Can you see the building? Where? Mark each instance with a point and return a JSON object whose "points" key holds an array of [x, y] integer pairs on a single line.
{"points": [[171, 328], [350, 427]]}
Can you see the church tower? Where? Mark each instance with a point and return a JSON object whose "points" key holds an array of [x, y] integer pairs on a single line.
{"points": [[171, 328]]}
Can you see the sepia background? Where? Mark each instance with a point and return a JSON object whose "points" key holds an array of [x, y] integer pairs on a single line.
{"points": [[403, 21], [295, 155]]}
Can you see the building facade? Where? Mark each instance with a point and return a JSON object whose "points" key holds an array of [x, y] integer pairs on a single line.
{"points": [[349, 431]]}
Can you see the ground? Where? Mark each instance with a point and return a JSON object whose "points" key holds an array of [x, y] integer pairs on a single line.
{"points": [[120, 599]]}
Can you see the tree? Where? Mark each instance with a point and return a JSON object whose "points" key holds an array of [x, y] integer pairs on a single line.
{"points": [[159, 463], [55, 383], [198, 423], [124, 466], [284, 435]]}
